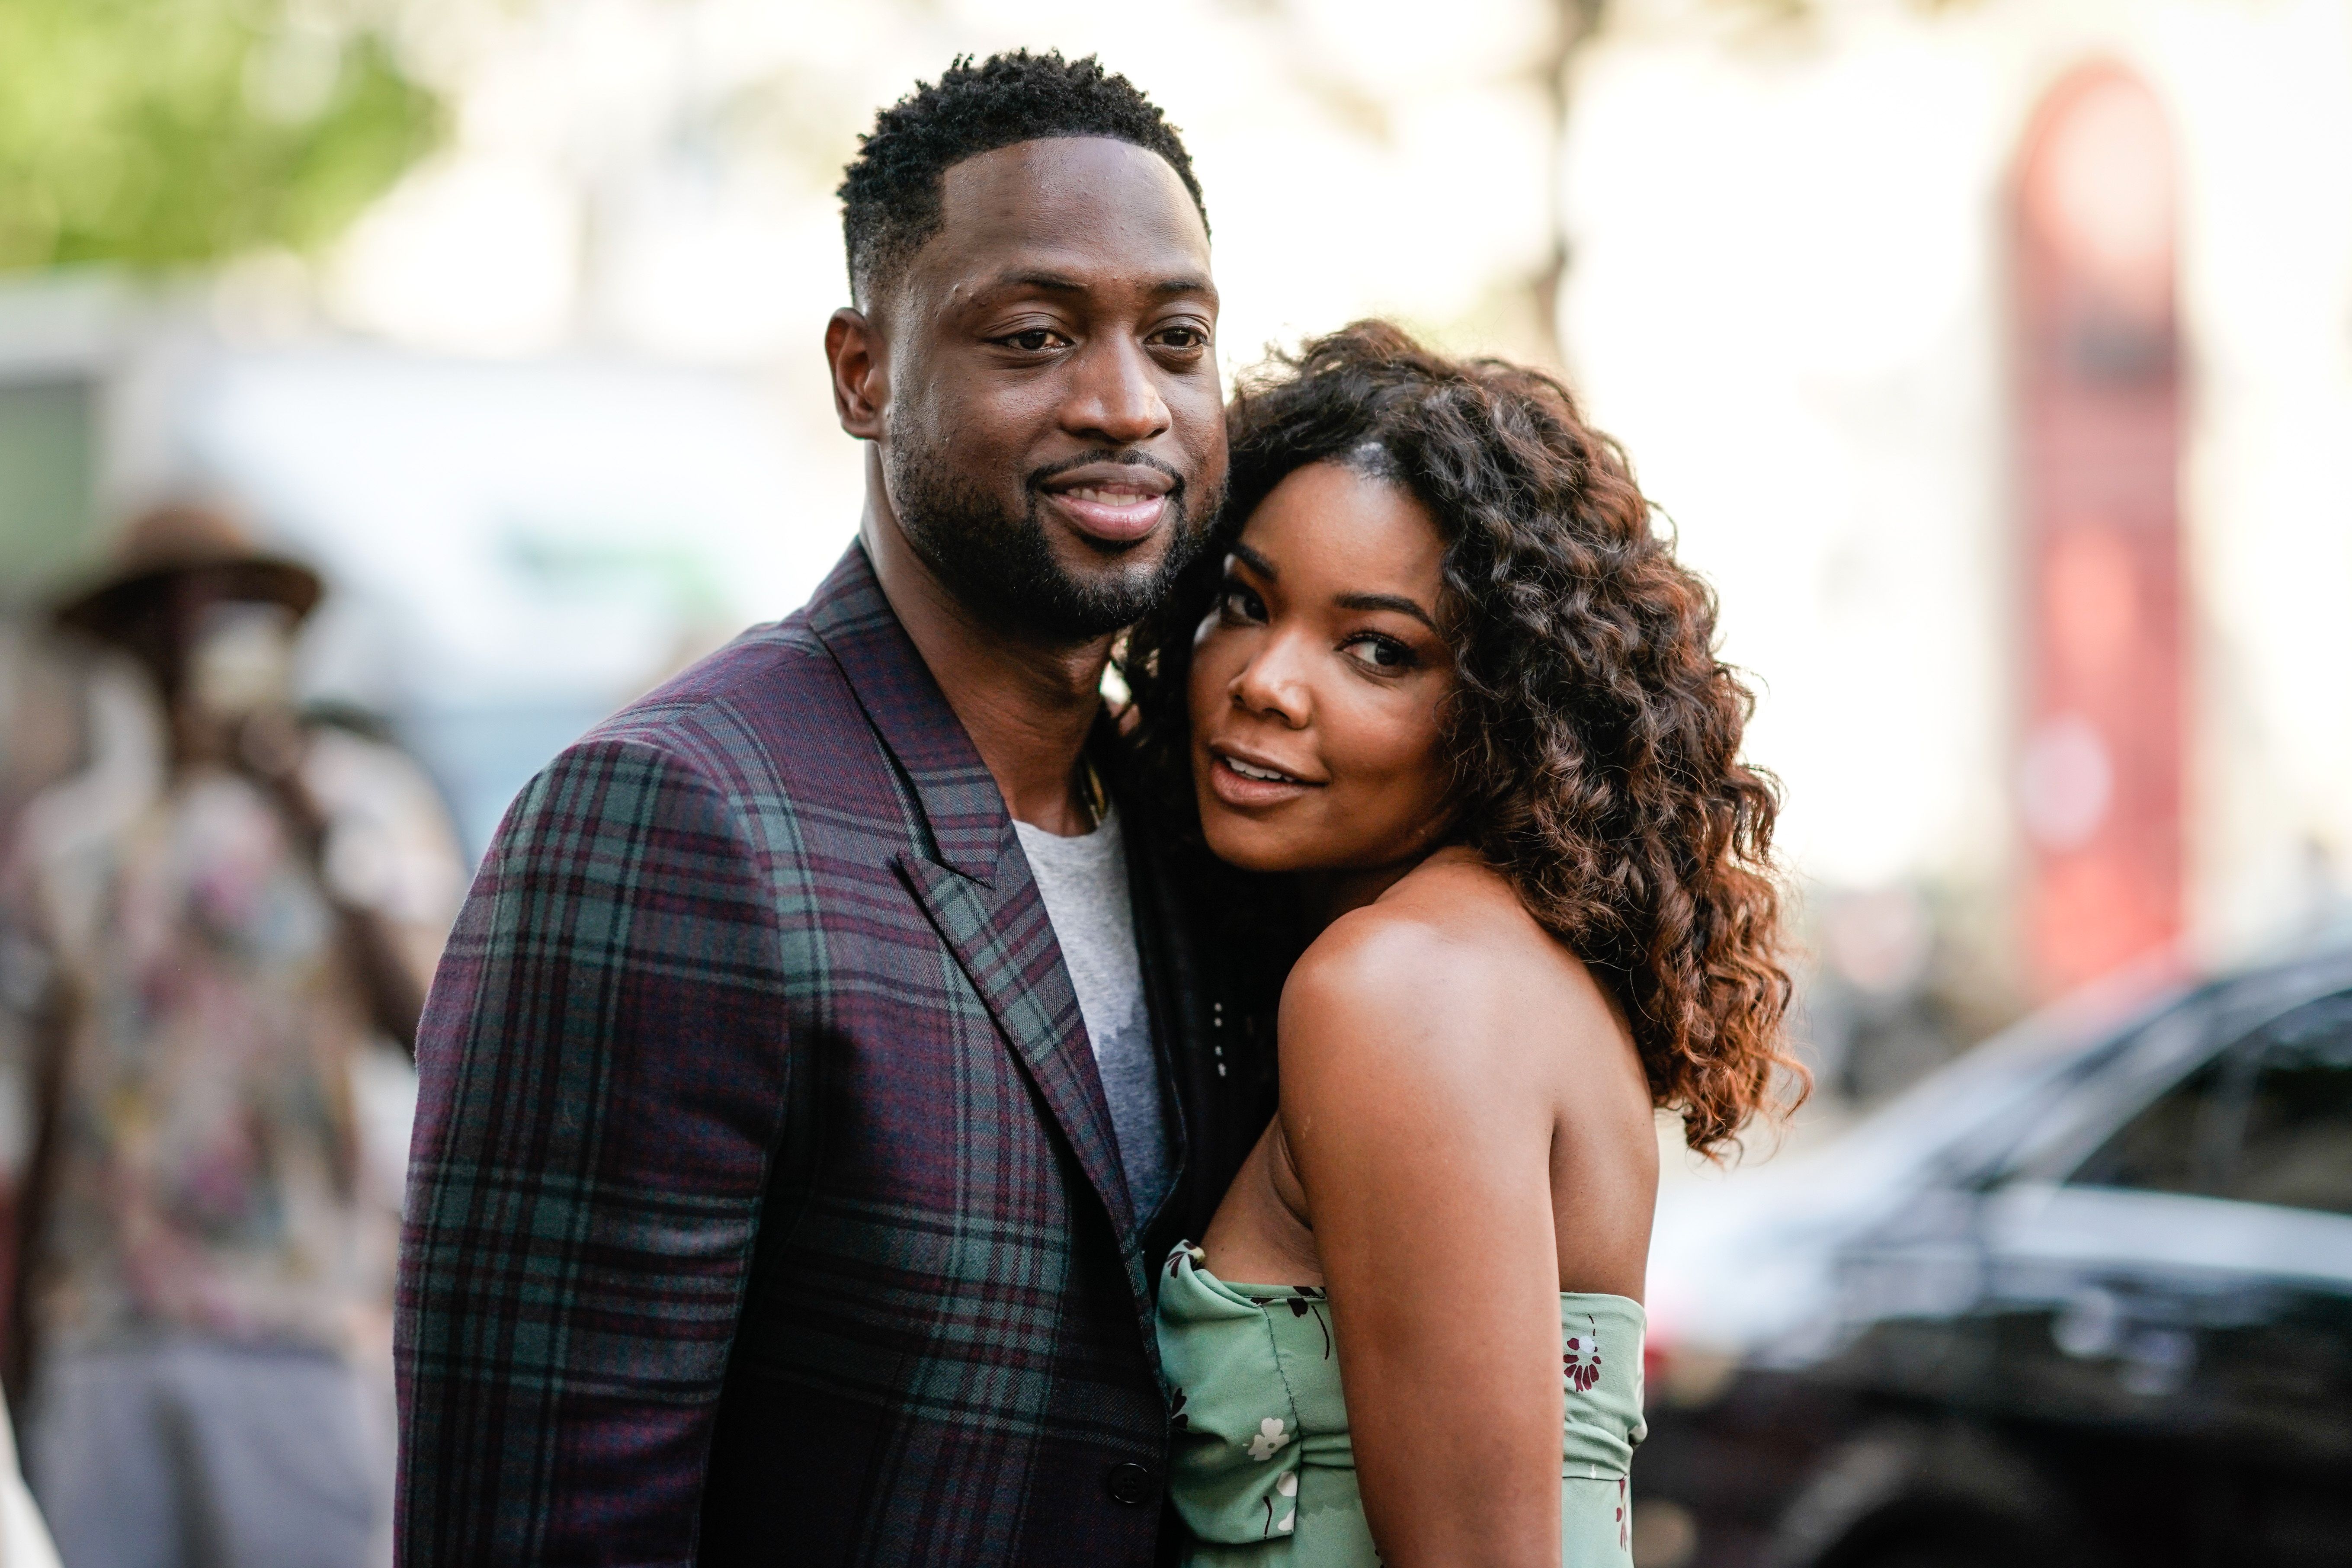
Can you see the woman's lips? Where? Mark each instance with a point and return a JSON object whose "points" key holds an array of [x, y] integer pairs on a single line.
{"points": [[1114, 514], [1229, 784]]}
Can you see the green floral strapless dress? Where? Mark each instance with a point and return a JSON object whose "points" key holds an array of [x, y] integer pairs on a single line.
{"points": [[1264, 1475]]}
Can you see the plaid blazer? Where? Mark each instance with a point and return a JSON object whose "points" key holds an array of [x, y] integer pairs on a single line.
{"points": [[764, 1206]]}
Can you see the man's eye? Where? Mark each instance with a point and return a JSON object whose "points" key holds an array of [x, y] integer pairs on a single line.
{"points": [[1036, 340], [1186, 338]]}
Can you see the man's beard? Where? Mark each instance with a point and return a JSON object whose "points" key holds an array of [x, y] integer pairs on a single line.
{"points": [[1001, 564]]}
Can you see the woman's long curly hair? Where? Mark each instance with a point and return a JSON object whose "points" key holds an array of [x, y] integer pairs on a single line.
{"points": [[1594, 737]]}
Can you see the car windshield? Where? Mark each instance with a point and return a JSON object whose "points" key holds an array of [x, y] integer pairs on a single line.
{"points": [[1962, 1116]]}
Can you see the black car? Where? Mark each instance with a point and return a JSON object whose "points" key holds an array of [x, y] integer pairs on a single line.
{"points": [[2085, 1297]]}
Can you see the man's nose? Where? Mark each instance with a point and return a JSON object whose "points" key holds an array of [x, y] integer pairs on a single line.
{"points": [[1115, 400]]}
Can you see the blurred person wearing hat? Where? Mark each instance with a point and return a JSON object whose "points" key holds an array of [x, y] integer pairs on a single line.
{"points": [[218, 941]]}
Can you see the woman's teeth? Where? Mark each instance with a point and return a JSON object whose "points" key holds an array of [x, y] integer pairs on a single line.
{"points": [[1267, 775]]}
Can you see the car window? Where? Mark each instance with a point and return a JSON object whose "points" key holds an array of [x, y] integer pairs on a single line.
{"points": [[2268, 1120], [2296, 1146], [2171, 1145]]}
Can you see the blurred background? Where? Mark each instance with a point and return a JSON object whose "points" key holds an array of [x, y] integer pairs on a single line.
{"points": [[507, 313], [1992, 358]]}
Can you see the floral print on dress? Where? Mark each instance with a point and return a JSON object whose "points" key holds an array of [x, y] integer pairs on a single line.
{"points": [[1287, 1489], [1270, 1440], [1305, 1301], [1579, 1359], [1261, 1472]]}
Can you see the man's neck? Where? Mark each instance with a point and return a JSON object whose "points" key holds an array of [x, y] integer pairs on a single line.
{"points": [[1028, 703]]}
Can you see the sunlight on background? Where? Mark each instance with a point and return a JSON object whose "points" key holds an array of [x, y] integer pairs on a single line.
{"points": [[1790, 300], [1991, 358], [551, 409]]}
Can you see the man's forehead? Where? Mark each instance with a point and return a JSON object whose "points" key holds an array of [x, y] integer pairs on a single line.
{"points": [[1071, 206]]}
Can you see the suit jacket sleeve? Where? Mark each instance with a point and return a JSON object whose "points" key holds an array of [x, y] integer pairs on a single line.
{"points": [[604, 1068]]}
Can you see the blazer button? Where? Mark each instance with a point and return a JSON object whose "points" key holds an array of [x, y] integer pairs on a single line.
{"points": [[1131, 1484]]}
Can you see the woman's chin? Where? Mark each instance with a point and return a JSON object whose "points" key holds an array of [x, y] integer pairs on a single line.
{"points": [[1248, 844]]}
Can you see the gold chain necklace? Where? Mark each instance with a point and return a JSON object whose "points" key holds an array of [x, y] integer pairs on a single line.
{"points": [[1097, 798]]}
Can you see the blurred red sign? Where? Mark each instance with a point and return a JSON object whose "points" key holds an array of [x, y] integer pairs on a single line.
{"points": [[2099, 761]]}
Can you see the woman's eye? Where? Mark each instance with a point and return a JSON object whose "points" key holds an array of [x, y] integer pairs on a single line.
{"points": [[1238, 604], [1382, 653]]}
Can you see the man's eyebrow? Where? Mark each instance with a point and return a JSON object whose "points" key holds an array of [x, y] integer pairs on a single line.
{"points": [[1397, 602], [1062, 284], [1055, 282]]}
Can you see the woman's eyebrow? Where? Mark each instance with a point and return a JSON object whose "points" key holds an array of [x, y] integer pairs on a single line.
{"points": [[1397, 602], [1253, 561]]}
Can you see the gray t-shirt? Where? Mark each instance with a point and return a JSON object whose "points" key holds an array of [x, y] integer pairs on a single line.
{"points": [[1084, 883]]}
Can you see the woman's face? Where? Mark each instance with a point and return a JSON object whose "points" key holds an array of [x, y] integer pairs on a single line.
{"points": [[1319, 679]]}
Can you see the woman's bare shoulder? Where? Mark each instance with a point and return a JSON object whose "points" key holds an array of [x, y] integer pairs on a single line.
{"points": [[1447, 972]]}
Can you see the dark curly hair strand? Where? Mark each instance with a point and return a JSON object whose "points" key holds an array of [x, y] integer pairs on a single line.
{"points": [[1594, 736]]}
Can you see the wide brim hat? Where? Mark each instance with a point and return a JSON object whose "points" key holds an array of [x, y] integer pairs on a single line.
{"points": [[170, 542]]}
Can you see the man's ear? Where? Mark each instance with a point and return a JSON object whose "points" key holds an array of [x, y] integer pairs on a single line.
{"points": [[854, 352]]}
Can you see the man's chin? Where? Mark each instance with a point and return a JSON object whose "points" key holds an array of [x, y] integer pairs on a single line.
{"points": [[1083, 609], [1109, 588], [1103, 563], [1037, 575]]}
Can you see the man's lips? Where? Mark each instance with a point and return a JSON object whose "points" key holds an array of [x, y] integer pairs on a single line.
{"points": [[1240, 779], [1116, 502]]}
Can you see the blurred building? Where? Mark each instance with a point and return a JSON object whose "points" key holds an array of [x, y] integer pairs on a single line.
{"points": [[517, 545], [2034, 541], [1996, 361]]}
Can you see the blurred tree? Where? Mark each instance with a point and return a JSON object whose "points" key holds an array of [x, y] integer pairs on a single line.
{"points": [[166, 132], [1577, 24]]}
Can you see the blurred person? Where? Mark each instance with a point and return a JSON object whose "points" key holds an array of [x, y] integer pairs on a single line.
{"points": [[820, 1060], [217, 938], [1445, 709], [43, 739], [41, 714]]}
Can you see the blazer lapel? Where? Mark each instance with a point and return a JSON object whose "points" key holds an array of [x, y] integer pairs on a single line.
{"points": [[971, 876], [1002, 938]]}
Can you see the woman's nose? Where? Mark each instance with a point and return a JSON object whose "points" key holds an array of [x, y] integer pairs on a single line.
{"points": [[1273, 685]]}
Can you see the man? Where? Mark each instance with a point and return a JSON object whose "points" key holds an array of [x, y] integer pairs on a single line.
{"points": [[800, 1118], [216, 941]]}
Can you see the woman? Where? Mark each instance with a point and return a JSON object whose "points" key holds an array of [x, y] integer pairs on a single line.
{"points": [[1448, 712]]}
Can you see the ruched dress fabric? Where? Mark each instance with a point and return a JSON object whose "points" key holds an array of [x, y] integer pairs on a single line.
{"points": [[1264, 1474]]}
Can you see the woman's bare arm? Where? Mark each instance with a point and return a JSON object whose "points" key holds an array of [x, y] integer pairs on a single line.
{"points": [[1420, 1122]]}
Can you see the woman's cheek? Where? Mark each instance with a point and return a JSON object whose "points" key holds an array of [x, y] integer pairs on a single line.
{"points": [[1209, 679], [1395, 748], [1375, 733]]}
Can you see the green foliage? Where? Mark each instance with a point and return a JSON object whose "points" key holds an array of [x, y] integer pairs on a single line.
{"points": [[167, 132]]}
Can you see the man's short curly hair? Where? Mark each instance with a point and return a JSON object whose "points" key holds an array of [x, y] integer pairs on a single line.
{"points": [[890, 197]]}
